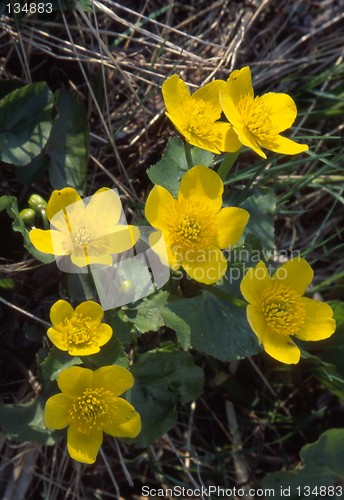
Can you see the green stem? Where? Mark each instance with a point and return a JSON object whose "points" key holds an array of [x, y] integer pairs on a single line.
{"points": [[235, 301], [227, 164], [188, 156]]}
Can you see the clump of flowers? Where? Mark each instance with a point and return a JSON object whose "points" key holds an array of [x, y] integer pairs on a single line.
{"points": [[258, 121], [89, 405], [278, 311], [78, 231], [79, 331], [195, 226], [197, 116]]}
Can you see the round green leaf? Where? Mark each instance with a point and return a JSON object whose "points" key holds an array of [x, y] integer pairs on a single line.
{"points": [[25, 123]]}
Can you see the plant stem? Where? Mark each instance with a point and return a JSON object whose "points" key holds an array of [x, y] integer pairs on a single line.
{"points": [[235, 301], [188, 156], [227, 164]]}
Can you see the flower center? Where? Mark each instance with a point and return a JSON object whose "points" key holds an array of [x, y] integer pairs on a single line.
{"points": [[197, 120], [256, 117], [283, 309], [77, 330], [85, 242], [82, 236], [188, 229], [92, 409]]}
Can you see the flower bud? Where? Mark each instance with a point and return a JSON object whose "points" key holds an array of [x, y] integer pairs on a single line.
{"points": [[37, 203], [27, 215]]}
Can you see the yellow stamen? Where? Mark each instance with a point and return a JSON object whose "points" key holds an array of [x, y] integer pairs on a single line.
{"points": [[93, 409], [256, 117], [283, 309], [77, 330], [197, 120]]}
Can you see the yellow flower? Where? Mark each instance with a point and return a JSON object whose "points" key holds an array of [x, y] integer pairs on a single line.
{"points": [[259, 121], [89, 234], [194, 226], [277, 310], [89, 405], [79, 331], [195, 117]]}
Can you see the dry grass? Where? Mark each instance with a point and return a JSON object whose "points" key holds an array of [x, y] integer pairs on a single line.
{"points": [[115, 57]]}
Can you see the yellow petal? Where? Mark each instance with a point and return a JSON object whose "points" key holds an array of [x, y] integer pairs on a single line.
{"points": [[103, 333], [121, 239], [281, 109], [159, 205], [319, 323], [159, 245], [60, 221], [104, 206], [126, 423], [281, 347], [115, 379], [255, 281], [84, 349], [229, 139], [60, 311], [60, 199], [84, 446], [209, 93], [249, 140], [199, 141], [296, 273], [233, 115], [202, 184], [50, 241], [92, 310], [231, 222], [175, 93], [208, 271], [283, 145], [239, 84], [74, 380], [257, 321], [230, 108], [56, 411], [58, 339], [83, 259]]}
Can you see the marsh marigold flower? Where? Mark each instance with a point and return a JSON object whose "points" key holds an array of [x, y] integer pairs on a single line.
{"points": [[79, 331], [196, 116], [278, 311], [258, 121], [194, 226], [89, 405], [88, 234]]}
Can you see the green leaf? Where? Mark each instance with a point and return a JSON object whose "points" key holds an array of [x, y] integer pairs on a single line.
{"points": [[56, 362], [323, 465], [112, 353], [81, 287], [68, 143], [261, 205], [215, 327], [147, 314], [25, 123], [160, 379], [7, 283], [173, 165], [9, 203], [24, 422]]}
